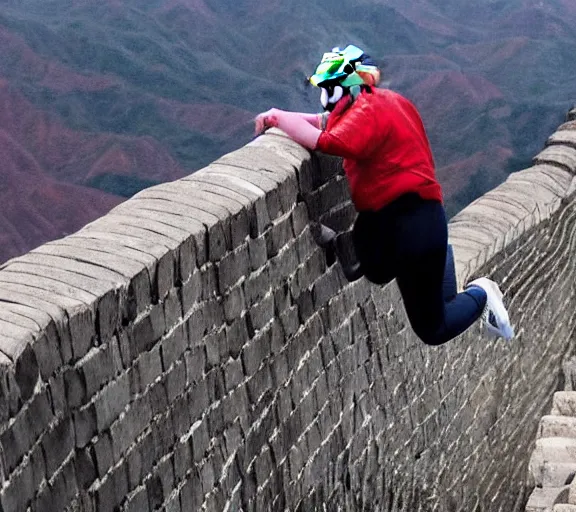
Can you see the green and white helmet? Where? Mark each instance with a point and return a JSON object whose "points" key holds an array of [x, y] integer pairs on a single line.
{"points": [[342, 71]]}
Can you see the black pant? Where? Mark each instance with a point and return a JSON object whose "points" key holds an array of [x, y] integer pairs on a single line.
{"points": [[408, 240]]}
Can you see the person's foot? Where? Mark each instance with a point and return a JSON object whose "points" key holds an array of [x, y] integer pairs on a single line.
{"points": [[323, 235], [341, 246], [495, 316]]}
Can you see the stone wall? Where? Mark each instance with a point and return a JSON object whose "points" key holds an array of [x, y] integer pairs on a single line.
{"points": [[195, 350]]}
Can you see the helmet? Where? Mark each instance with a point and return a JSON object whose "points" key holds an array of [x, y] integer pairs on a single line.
{"points": [[343, 70]]}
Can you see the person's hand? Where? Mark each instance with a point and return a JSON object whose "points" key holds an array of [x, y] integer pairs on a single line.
{"points": [[266, 120]]}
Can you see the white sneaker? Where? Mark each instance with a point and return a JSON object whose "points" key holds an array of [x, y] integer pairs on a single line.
{"points": [[495, 316]]}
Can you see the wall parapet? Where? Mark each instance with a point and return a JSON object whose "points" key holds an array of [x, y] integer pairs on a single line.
{"points": [[194, 348]]}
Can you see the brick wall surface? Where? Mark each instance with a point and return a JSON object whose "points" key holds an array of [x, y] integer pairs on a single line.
{"points": [[195, 350]]}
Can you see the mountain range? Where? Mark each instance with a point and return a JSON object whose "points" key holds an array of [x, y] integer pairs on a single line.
{"points": [[101, 98]]}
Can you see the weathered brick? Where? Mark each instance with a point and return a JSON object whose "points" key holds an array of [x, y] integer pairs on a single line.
{"points": [[129, 426], [85, 467], [278, 236], [58, 444], [234, 303], [157, 397], [48, 355], [19, 491], [172, 308], [234, 373], [256, 352], [102, 454], [111, 401], [258, 253], [75, 385], [173, 346], [256, 286], [191, 493], [98, 368], [149, 367], [232, 267], [138, 502], [216, 348], [85, 424], [261, 313], [148, 330], [191, 291], [200, 441], [175, 381], [182, 459], [236, 336], [195, 364]]}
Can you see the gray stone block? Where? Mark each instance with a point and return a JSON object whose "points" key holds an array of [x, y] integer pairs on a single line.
{"points": [[261, 313], [148, 330], [173, 346], [182, 459], [191, 291], [200, 440], [175, 381], [290, 321], [195, 364], [258, 252], [173, 504], [138, 501], [207, 476], [85, 468], [259, 383], [149, 367], [165, 472], [233, 373], [102, 454], [154, 490], [40, 310], [232, 267], [19, 491], [279, 234], [216, 348], [163, 435], [85, 424], [191, 493], [139, 460], [256, 352], [256, 286], [172, 308], [111, 401], [234, 303], [97, 368], [75, 387], [48, 355], [209, 281], [157, 397], [57, 444], [236, 336]]}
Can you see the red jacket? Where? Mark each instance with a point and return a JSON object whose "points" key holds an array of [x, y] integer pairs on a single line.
{"points": [[385, 148]]}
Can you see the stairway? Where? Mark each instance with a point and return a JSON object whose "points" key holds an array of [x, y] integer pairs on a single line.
{"points": [[553, 463]]}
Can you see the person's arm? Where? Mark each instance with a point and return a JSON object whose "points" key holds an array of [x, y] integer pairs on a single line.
{"points": [[300, 127]]}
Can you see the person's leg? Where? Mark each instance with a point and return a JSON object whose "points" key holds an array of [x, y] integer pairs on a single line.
{"points": [[449, 286], [373, 247], [424, 277]]}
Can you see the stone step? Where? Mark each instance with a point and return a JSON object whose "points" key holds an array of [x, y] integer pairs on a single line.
{"points": [[564, 403], [564, 507], [543, 500], [557, 426], [553, 462]]}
